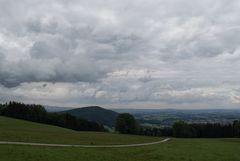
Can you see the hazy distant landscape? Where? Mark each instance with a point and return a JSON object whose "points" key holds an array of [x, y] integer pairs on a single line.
{"points": [[167, 117]]}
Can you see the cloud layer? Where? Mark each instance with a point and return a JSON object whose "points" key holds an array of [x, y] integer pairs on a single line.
{"points": [[156, 54]]}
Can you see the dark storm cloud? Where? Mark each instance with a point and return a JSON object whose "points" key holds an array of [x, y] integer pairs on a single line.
{"points": [[171, 52]]}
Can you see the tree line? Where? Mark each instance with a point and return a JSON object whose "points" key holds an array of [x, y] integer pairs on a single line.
{"points": [[209, 130], [128, 125], [182, 129], [37, 113]]}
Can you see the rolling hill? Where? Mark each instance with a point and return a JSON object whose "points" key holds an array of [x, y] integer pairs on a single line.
{"points": [[174, 150], [96, 114], [25, 131]]}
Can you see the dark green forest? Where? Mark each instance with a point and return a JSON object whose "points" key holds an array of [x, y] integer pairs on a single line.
{"points": [[37, 113]]}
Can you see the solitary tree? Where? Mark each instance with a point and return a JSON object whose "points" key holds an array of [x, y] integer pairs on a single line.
{"points": [[126, 124]]}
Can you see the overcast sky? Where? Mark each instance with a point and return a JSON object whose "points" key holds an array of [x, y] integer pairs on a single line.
{"points": [[121, 54]]}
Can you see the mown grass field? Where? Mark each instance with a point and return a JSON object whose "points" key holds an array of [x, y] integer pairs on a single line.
{"points": [[173, 150], [25, 131]]}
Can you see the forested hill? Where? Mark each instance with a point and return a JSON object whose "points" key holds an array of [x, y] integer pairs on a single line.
{"points": [[95, 113], [37, 113]]}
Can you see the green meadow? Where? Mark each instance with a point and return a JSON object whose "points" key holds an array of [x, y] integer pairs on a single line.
{"points": [[25, 131], [173, 150]]}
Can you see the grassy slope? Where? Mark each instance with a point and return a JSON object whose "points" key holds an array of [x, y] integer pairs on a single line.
{"points": [[174, 150], [19, 130]]}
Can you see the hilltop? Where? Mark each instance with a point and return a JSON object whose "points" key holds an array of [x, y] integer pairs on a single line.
{"points": [[96, 114]]}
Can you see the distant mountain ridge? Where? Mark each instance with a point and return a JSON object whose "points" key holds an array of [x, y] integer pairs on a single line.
{"points": [[96, 114]]}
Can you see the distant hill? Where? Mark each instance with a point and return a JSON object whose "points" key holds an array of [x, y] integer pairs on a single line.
{"points": [[96, 114], [55, 108]]}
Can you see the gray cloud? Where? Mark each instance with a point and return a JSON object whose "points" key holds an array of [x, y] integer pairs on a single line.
{"points": [[166, 53]]}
